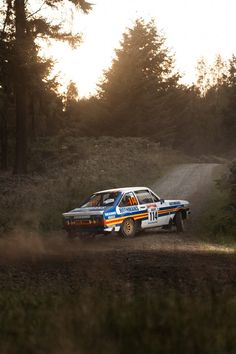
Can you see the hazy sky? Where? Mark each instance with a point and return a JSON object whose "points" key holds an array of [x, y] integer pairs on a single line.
{"points": [[193, 28]]}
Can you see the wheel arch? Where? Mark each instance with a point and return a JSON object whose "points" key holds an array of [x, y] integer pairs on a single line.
{"points": [[121, 231], [183, 212]]}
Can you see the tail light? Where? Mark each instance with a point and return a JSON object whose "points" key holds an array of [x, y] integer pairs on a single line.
{"points": [[98, 220]]}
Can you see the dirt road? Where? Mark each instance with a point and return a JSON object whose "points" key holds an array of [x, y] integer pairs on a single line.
{"points": [[154, 258], [194, 182], [185, 180]]}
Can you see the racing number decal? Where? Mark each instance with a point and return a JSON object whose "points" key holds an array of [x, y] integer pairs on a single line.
{"points": [[152, 215]]}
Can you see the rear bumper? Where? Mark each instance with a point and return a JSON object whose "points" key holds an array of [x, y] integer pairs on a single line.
{"points": [[74, 227]]}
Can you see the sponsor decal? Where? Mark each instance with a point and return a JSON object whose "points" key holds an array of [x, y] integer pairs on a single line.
{"points": [[151, 205], [174, 203], [129, 209], [110, 214]]}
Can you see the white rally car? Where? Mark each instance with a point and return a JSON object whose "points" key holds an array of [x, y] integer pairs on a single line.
{"points": [[126, 210]]}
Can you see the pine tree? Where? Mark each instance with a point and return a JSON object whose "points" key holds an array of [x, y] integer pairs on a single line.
{"points": [[230, 110], [71, 102], [202, 73], [23, 28], [135, 88], [6, 79]]}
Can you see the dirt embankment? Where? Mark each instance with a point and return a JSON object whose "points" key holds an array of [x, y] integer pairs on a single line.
{"points": [[153, 258]]}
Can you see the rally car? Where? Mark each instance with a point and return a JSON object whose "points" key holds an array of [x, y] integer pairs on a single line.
{"points": [[127, 211]]}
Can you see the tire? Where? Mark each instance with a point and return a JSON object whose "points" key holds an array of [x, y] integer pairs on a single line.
{"points": [[168, 227], [179, 222], [128, 228]]}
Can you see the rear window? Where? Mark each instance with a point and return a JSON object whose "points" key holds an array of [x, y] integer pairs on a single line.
{"points": [[101, 199], [144, 196]]}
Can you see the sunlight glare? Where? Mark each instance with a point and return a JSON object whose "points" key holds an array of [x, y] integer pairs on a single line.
{"points": [[192, 29]]}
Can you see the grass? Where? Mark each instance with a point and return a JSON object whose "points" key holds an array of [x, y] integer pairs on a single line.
{"points": [[98, 321]]}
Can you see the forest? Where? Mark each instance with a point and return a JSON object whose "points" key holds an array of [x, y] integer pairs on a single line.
{"points": [[140, 95]]}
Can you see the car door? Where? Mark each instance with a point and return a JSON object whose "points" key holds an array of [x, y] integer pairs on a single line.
{"points": [[163, 210], [148, 204], [128, 206]]}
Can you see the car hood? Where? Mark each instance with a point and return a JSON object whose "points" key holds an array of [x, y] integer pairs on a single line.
{"points": [[177, 202]]}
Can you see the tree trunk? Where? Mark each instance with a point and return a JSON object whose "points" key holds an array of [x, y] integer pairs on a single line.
{"points": [[33, 116], [20, 89], [4, 140]]}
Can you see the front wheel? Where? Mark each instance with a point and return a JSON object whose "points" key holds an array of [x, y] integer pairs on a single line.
{"points": [[128, 228], [179, 222]]}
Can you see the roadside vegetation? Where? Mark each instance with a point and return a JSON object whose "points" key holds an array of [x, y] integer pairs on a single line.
{"points": [[219, 222]]}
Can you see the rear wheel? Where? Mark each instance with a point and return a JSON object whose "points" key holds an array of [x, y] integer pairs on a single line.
{"points": [[179, 222], [128, 228]]}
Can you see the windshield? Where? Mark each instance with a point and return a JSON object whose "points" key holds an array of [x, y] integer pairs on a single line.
{"points": [[101, 200]]}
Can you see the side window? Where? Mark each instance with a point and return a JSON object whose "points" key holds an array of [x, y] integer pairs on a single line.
{"points": [[144, 197], [128, 200], [155, 199]]}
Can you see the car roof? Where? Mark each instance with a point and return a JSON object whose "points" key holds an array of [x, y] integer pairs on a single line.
{"points": [[124, 189]]}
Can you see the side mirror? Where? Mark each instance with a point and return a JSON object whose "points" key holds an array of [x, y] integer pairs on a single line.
{"points": [[162, 201]]}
